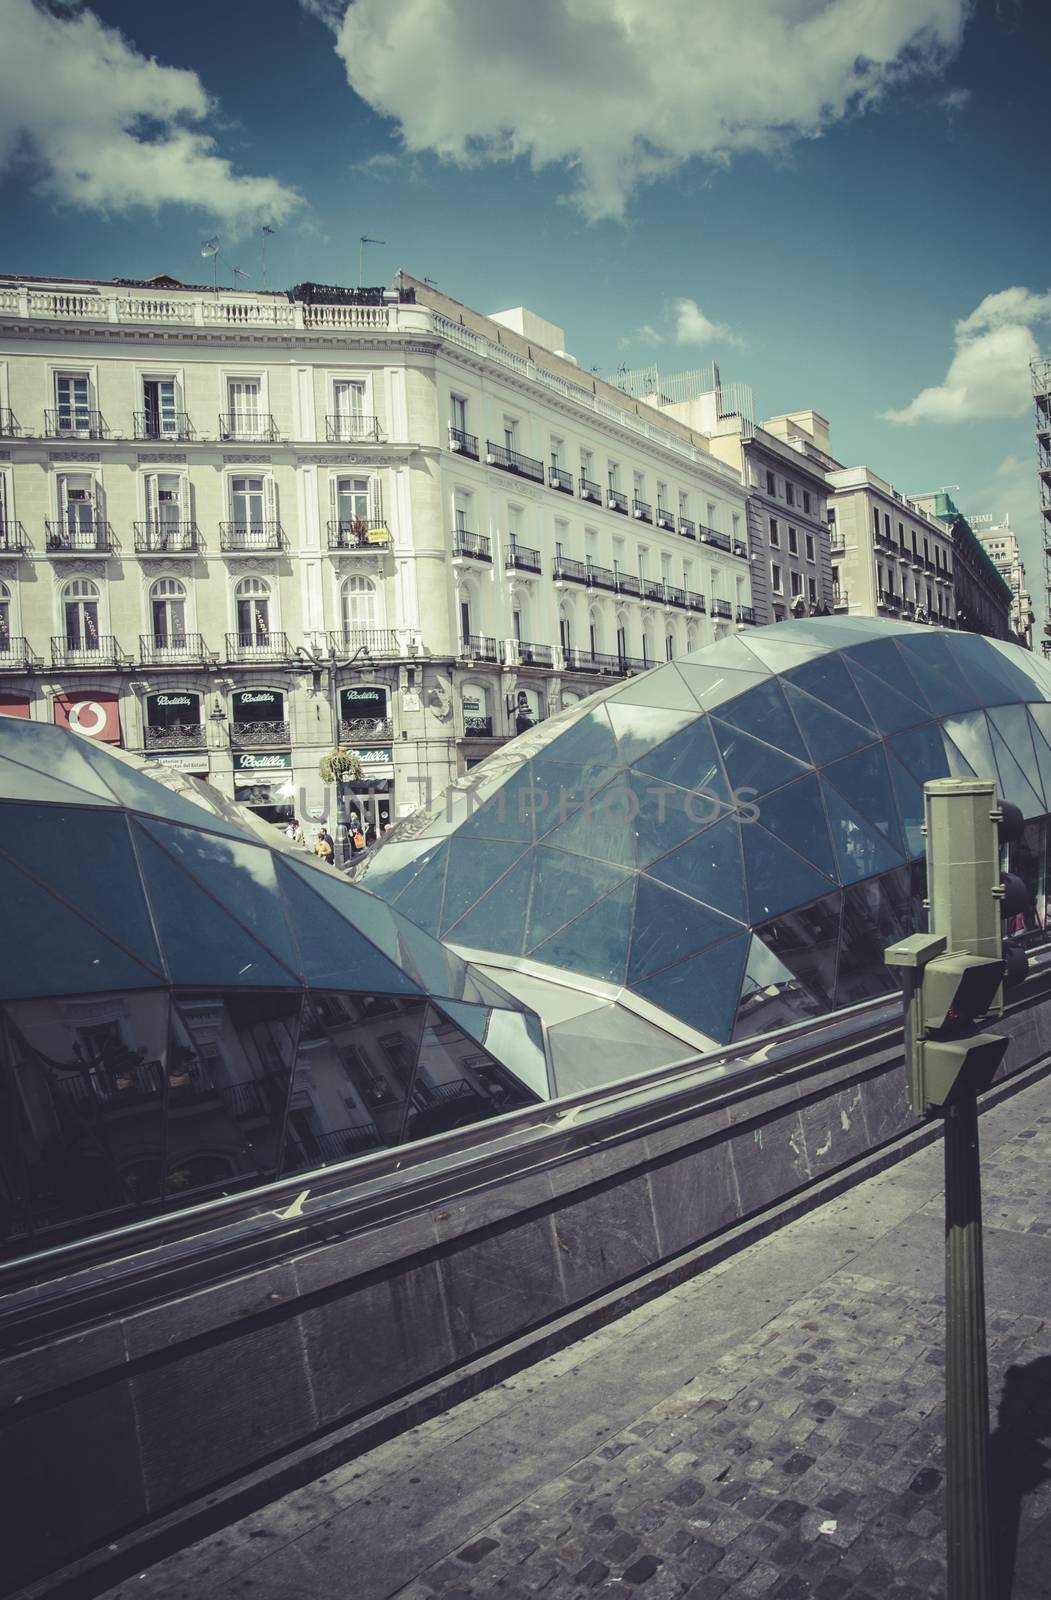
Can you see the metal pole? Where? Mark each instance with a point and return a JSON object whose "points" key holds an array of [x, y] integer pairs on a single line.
{"points": [[968, 1534]]}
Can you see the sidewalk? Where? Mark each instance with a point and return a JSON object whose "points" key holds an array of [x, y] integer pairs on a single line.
{"points": [[771, 1428]]}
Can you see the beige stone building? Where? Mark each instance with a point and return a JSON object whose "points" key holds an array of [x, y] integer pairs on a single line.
{"points": [[237, 527], [1000, 543], [890, 558]]}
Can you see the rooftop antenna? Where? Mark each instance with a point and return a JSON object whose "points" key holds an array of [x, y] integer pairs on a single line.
{"points": [[362, 242], [266, 232], [210, 247]]}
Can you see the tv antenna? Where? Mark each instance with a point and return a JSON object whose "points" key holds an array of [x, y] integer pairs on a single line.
{"points": [[362, 242]]}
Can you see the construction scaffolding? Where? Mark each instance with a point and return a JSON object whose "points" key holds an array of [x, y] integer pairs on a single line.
{"points": [[1041, 373]]}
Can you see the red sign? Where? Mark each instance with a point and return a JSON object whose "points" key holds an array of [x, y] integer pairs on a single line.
{"points": [[93, 712], [14, 705]]}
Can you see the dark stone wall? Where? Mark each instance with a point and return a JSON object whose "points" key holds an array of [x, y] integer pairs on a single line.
{"points": [[116, 1422]]}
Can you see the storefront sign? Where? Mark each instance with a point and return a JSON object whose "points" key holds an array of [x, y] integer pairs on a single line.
{"points": [[261, 760], [169, 707], [378, 763], [93, 713], [258, 705], [197, 765], [14, 705], [363, 700]]}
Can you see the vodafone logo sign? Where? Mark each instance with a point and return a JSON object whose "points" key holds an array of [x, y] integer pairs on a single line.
{"points": [[94, 715]]}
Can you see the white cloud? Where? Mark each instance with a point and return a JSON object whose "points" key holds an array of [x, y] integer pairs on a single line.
{"points": [[103, 128], [624, 91], [989, 372], [953, 100], [693, 327]]}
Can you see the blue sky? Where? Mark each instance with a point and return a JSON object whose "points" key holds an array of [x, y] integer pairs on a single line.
{"points": [[837, 187]]}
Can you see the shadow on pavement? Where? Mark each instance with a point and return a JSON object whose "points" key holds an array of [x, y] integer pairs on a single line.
{"points": [[1019, 1459]]}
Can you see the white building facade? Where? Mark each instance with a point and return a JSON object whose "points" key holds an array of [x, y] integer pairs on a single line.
{"points": [[236, 528], [890, 558], [1000, 544]]}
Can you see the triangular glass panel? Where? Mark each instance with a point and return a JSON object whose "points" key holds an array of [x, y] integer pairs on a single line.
{"points": [[508, 812], [590, 739], [763, 713], [691, 761], [827, 733], [1034, 667], [995, 677], [712, 685], [388, 870], [863, 780], [771, 995], [825, 680], [807, 942], [567, 789], [796, 816], [1041, 715], [474, 866], [639, 729], [922, 751], [669, 927], [861, 849], [733, 652], [497, 921], [750, 764], [708, 868], [932, 665], [563, 886], [863, 973], [59, 754], [27, 783], [472, 1019], [583, 1061], [595, 944], [94, 870], [883, 659], [777, 654], [665, 815], [604, 828], [429, 964], [1014, 727], [665, 690], [775, 876], [364, 911], [1043, 754], [702, 991], [202, 945], [958, 767], [970, 735], [909, 796], [240, 876], [138, 790], [888, 708], [334, 953], [54, 951], [1012, 784], [516, 1040], [455, 1084], [421, 901]]}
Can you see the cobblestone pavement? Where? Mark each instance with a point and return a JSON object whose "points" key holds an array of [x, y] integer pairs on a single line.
{"points": [[771, 1428]]}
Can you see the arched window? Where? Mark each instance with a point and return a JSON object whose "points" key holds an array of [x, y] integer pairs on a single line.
{"points": [[622, 634], [253, 611], [477, 720], [168, 612], [359, 603], [5, 620], [595, 639], [691, 638], [669, 646], [565, 628], [649, 653], [80, 606]]}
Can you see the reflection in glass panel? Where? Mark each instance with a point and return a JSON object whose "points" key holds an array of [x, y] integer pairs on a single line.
{"points": [[881, 658], [861, 849], [994, 676], [563, 886], [86, 1078], [863, 780], [750, 764], [355, 1063], [137, 789], [589, 739], [334, 954], [665, 689], [715, 685], [909, 796], [690, 760], [702, 991], [827, 733], [228, 1076], [775, 876], [1013, 725], [891, 706], [923, 752], [669, 927], [934, 664], [603, 828], [970, 735], [1028, 859], [862, 971], [23, 783], [807, 942], [796, 816], [764, 713], [457, 1082], [511, 810], [63, 758], [771, 995], [639, 729], [595, 943], [826, 681], [708, 868], [1012, 783]]}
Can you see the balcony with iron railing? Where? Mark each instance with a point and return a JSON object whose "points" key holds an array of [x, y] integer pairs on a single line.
{"points": [[497, 455], [255, 735], [9, 428], [591, 661], [478, 647], [712, 536], [666, 519], [721, 608], [477, 727], [674, 596], [247, 427], [172, 650], [368, 641], [15, 654], [641, 510], [652, 589], [101, 651], [248, 538], [617, 501], [840, 599], [889, 598], [601, 577], [557, 479], [169, 425], [747, 616], [687, 528], [70, 422], [165, 538], [13, 540], [365, 730], [522, 558], [740, 548], [520, 653], [565, 570], [340, 1144], [176, 736], [463, 444], [625, 583], [246, 647], [471, 546], [61, 539], [352, 429], [590, 490], [357, 533], [696, 602]]}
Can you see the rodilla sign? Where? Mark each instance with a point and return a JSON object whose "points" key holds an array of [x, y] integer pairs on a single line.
{"points": [[94, 713]]}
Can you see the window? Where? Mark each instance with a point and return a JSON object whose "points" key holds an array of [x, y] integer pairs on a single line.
{"points": [[556, 454], [359, 604], [516, 624], [163, 501], [622, 637], [80, 606], [806, 499], [348, 406], [793, 542], [709, 515], [73, 402], [168, 612], [243, 397], [684, 504], [252, 597], [797, 583], [465, 618], [771, 483], [462, 510], [775, 533], [886, 523], [76, 499], [587, 464], [511, 433], [735, 524], [811, 585], [662, 497], [594, 632], [613, 473], [644, 562], [638, 485], [5, 620], [246, 503], [160, 409], [809, 546], [350, 501], [565, 632], [875, 521], [776, 582], [790, 492], [669, 647]]}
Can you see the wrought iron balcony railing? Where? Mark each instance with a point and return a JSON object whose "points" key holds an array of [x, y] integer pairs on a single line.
{"points": [[239, 538], [478, 647], [358, 533], [530, 655], [642, 510], [477, 727], [102, 651], [176, 736], [591, 661], [13, 540], [747, 614], [371, 641], [497, 455], [696, 602], [62, 540], [590, 490], [9, 428], [70, 422], [616, 501], [474, 546], [722, 608], [665, 518], [564, 568], [365, 729], [464, 444], [345, 430], [687, 528], [247, 427], [15, 654], [557, 479], [165, 538], [522, 558], [840, 600], [172, 650], [174, 425], [257, 647], [652, 589], [712, 536], [251, 735]]}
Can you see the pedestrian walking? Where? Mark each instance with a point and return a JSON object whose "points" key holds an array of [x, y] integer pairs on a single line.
{"points": [[324, 849]]}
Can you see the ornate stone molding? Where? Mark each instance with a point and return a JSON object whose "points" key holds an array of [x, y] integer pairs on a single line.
{"points": [[250, 460], [73, 455], [176, 459]]}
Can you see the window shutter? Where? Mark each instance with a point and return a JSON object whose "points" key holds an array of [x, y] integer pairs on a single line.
{"points": [[151, 498], [3, 498], [376, 499], [270, 498], [333, 502]]}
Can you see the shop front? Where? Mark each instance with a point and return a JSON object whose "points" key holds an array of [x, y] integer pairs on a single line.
{"points": [[364, 713], [263, 781], [258, 717], [14, 705], [94, 713], [370, 798], [174, 731]]}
